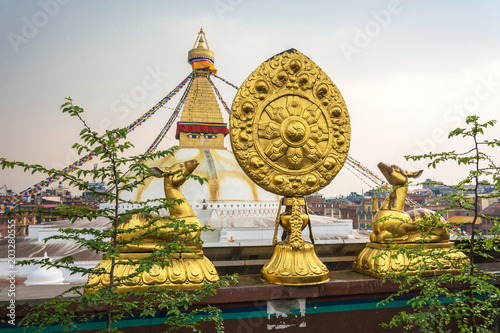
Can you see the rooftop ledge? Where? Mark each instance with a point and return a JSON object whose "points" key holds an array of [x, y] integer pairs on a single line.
{"points": [[250, 288], [254, 305]]}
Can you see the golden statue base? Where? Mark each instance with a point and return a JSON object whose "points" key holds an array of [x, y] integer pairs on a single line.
{"points": [[378, 259], [185, 271], [294, 261], [294, 267]]}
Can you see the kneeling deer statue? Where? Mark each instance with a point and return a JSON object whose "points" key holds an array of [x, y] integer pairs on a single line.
{"points": [[391, 224], [173, 178], [187, 267]]}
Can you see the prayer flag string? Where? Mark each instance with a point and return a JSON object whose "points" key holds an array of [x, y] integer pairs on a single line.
{"points": [[169, 123], [225, 81], [24, 195], [219, 96]]}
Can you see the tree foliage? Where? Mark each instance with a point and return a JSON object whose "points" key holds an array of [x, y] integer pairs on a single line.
{"points": [[467, 301], [120, 173]]}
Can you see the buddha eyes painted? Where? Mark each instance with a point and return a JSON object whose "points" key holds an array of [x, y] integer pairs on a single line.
{"points": [[198, 136]]}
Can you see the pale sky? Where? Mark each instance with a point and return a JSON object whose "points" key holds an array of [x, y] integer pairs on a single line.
{"points": [[409, 71]]}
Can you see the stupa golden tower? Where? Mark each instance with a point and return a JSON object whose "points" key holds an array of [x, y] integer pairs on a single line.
{"points": [[201, 130], [201, 124]]}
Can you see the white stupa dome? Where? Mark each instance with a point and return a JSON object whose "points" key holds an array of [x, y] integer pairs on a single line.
{"points": [[44, 276], [229, 197]]}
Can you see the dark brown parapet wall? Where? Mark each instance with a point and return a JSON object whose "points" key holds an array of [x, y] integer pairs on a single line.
{"points": [[348, 302]]}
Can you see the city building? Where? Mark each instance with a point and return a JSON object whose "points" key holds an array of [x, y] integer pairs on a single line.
{"points": [[22, 222], [492, 216], [91, 195]]}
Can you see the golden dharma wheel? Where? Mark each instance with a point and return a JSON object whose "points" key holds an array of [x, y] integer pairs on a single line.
{"points": [[289, 126]]}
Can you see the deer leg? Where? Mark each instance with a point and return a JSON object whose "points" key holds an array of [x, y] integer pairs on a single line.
{"points": [[435, 235], [387, 237]]}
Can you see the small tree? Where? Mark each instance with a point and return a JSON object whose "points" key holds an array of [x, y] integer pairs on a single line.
{"points": [[468, 300], [121, 173]]}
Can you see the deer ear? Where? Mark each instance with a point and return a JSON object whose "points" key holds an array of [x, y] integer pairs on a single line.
{"points": [[155, 171], [159, 172], [415, 174]]}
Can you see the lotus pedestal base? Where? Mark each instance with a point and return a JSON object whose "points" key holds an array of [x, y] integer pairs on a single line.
{"points": [[379, 260], [185, 271], [295, 267]]}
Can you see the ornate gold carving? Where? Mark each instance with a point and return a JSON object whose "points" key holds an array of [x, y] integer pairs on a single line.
{"points": [[293, 221], [290, 133], [294, 261], [295, 267], [184, 270], [378, 260], [289, 125], [187, 271]]}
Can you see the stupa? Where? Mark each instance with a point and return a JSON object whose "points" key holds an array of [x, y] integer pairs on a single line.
{"points": [[44, 275], [201, 131]]}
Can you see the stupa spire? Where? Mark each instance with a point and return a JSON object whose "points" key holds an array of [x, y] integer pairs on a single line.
{"points": [[200, 56], [201, 124]]}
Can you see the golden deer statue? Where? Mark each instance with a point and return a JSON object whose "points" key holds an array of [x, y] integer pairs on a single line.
{"points": [[187, 269], [174, 177], [391, 224]]}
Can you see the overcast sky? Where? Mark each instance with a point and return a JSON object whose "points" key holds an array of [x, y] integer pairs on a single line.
{"points": [[409, 71]]}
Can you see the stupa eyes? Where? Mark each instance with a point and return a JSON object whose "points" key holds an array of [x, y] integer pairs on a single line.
{"points": [[198, 136]]}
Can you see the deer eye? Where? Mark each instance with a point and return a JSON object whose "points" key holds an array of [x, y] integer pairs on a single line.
{"points": [[181, 165]]}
